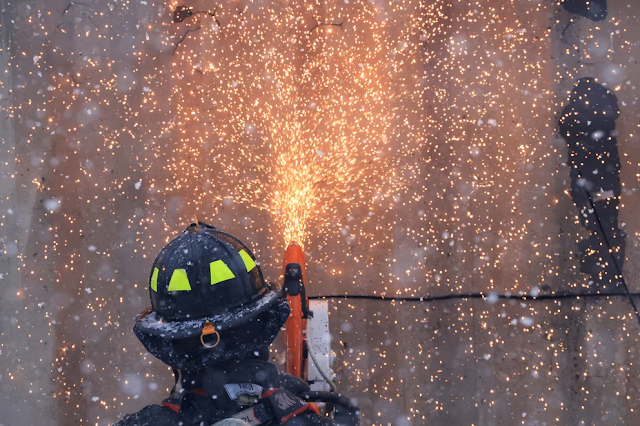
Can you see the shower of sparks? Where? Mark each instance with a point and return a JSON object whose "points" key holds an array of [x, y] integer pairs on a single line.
{"points": [[408, 145], [294, 119]]}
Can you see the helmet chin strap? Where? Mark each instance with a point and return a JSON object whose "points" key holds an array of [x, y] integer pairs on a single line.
{"points": [[178, 380]]}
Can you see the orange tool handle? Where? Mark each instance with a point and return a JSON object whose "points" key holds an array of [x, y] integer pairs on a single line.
{"points": [[296, 324]]}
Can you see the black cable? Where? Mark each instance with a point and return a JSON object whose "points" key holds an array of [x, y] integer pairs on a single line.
{"points": [[462, 296]]}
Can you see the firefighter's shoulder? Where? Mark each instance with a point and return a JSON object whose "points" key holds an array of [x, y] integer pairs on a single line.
{"points": [[151, 415]]}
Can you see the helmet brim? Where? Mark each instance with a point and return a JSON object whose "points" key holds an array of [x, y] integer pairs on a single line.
{"points": [[150, 323]]}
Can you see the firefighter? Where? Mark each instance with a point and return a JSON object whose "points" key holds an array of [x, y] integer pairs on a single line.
{"points": [[212, 319]]}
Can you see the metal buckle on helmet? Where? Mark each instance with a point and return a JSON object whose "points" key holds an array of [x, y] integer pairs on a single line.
{"points": [[207, 329]]}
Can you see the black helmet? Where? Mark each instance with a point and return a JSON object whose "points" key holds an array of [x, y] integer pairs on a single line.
{"points": [[209, 301]]}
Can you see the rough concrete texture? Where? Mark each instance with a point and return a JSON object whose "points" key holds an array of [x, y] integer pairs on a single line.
{"points": [[102, 163]]}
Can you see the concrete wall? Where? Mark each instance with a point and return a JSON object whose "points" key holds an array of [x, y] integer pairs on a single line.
{"points": [[485, 210], [26, 335]]}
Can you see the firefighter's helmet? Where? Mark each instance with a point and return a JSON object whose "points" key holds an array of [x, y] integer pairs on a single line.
{"points": [[209, 301]]}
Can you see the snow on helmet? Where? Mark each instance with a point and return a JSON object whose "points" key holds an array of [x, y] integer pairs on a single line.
{"points": [[204, 284]]}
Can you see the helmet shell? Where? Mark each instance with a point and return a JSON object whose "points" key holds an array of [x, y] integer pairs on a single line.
{"points": [[203, 273], [205, 276]]}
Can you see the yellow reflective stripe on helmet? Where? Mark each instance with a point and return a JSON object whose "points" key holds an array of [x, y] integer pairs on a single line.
{"points": [[179, 281], [154, 279], [220, 272], [248, 261]]}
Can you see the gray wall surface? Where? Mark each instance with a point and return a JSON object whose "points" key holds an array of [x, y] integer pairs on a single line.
{"points": [[115, 132]]}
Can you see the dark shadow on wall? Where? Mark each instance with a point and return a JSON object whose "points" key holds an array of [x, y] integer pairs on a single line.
{"points": [[587, 124], [596, 10]]}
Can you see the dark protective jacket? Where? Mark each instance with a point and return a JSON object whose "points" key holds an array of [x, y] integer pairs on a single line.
{"points": [[232, 387]]}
